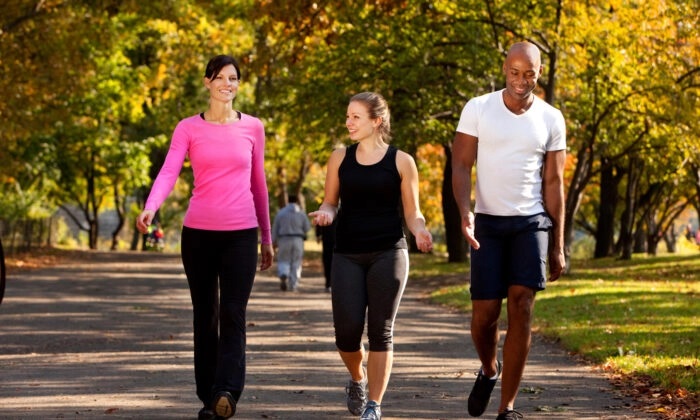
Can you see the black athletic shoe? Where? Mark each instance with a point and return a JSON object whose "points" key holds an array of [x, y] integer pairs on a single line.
{"points": [[224, 404], [283, 283], [206, 414], [509, 415], [481, 393]]}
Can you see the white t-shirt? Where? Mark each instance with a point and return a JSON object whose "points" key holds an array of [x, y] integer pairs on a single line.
{"points": [[510, 152]]}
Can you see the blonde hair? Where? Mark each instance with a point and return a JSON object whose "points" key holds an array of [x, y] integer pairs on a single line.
{"points": [[377, 107]]}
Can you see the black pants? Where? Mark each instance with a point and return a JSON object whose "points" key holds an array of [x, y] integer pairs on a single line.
{"points": [[327, 254], [327, 234], [220, 268]]}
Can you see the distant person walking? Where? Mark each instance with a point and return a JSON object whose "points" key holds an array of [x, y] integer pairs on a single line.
{"points": [[288, 235], [366, 184], [517, 142], [229, 203], [689, 234]]}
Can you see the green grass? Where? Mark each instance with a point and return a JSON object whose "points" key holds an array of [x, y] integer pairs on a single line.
{"points": [[638, 317], [431, 265]]}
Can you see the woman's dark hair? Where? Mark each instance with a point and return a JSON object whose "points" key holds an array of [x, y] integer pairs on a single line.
{"points": [[217, 63]]}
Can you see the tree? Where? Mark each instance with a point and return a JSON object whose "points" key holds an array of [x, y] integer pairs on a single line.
{"points": [[79, 104], [119, 85]]}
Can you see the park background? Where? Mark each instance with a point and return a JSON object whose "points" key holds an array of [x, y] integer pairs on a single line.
{"points": [[91, 91]]}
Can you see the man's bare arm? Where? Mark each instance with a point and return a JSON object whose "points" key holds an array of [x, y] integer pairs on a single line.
{"points": [[553, 192], [464, 148]]}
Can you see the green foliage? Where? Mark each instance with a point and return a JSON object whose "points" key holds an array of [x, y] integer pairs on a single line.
{"points": [[620, 93], [85, 82], [639, 317]]}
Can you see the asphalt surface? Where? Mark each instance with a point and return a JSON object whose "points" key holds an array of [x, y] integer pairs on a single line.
{"points": [[110, 337]]}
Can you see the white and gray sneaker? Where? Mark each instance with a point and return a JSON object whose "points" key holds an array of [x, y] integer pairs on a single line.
{"points": [[356, 395], [373, 411]]}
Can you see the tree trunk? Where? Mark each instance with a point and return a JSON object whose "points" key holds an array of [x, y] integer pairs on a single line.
{"points": [[92, 208], [626, 242], [605, 232], [652, 245], [2, 272], [652, 235], [640, 241], [671, 238], [119, 205], [457, 247], [136, 237], [574, 196], [93, 234]]}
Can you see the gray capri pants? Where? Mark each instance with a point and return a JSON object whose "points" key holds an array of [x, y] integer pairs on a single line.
{"points": [[372, 284]]}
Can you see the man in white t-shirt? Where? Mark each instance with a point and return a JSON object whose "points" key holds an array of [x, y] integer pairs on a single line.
{"points": [[518, 144]]}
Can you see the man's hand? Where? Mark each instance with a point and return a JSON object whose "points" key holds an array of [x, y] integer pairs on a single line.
{"points": [[468, 230], [557, 264]]}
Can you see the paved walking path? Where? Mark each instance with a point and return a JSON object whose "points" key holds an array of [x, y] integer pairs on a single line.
{"points": [[111, 338]]}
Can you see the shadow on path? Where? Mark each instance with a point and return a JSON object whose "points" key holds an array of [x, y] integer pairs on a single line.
{"points": [[111, 337]]}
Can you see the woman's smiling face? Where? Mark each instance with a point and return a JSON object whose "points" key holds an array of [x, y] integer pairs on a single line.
{"points": [[358, 121], [223, 86]]}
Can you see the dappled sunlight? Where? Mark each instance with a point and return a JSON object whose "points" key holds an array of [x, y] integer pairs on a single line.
{"points": [[78, 342]]}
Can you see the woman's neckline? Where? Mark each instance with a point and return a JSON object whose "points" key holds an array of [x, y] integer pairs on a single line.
{"points": [[385, 150], [238, 113]]}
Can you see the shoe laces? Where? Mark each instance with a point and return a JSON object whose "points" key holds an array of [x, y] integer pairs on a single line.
{"points": [[512, 415], [372, 412], [355, 390]]}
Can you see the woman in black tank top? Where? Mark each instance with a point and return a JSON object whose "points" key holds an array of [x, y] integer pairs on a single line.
{"points": [[367, 186], [369, 219]]}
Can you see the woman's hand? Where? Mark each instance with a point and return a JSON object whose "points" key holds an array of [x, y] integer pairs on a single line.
{"points": [[266, 255], [143, 221], [424, 240], [321, 217]]}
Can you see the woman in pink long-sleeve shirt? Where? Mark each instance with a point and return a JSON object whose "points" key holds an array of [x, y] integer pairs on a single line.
{"points": [[229, 203]]}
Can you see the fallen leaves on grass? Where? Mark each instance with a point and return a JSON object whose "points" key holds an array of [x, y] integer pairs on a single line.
{"points": [[665, 404]]}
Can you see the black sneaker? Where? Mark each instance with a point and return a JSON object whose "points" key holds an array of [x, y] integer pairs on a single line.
{"points": [[481, 392], [283, 283], [509, 415], [224, 404], [206, 414]]}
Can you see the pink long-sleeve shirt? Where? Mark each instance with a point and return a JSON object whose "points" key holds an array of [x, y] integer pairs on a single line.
{"points": [[230, 190]]}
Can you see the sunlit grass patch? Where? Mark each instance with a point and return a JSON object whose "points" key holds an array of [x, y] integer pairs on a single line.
{"points": [[638, 317], [435, 264], [607, 321]]}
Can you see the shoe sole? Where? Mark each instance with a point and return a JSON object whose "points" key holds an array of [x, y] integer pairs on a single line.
{"points": [[223, 407]]}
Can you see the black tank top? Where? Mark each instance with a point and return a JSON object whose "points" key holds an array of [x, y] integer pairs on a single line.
{"points": [[369, 218]]}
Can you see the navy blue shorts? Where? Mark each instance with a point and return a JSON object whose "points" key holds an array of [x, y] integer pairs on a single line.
{"points": [[513, 251]]}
